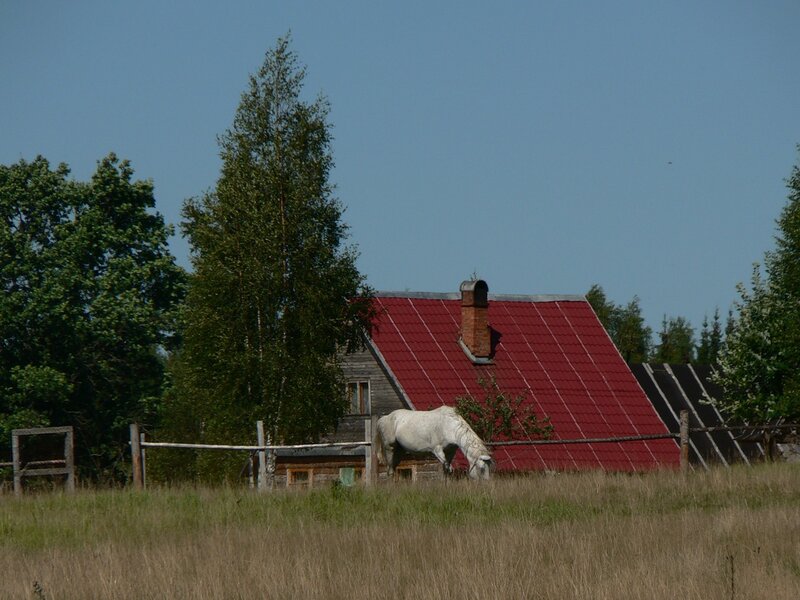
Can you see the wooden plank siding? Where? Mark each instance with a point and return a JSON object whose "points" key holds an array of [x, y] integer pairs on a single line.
{"points": [[385, 397], [364, 366], [324, 471]]}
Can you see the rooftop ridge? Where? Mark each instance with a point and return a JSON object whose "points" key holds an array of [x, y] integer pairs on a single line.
{"points": [[495, 297]]}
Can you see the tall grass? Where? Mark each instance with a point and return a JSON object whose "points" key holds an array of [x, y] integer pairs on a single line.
{"points": [[732, 533]]}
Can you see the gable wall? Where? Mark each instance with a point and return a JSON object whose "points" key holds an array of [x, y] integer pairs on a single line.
{"points": [[363, 365], [384, 397]]}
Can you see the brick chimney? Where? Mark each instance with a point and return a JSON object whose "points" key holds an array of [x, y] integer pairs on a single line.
{"points": [[476, 337]]}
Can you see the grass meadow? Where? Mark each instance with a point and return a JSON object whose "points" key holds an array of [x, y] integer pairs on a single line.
{"points": [[729, 533]]}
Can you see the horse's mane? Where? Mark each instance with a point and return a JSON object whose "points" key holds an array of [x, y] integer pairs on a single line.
{"points": [[466, 438]]}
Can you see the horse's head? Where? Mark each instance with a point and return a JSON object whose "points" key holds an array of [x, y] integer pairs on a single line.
{"points": [[482, 467]]}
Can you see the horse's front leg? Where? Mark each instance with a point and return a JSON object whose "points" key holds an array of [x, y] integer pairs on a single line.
{"points": [[449, 455], [440, 455]]}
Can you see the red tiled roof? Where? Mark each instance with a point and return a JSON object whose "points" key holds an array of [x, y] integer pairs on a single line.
{"points": [[553, 351]]}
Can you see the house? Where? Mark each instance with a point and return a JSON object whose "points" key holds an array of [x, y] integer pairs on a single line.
{"points": [[428, 349]]}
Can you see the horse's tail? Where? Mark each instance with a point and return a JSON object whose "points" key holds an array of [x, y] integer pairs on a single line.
{"points": [[377, 443]]}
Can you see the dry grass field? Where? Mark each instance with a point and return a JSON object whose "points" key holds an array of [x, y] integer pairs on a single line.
{"points": [[730, 533]]}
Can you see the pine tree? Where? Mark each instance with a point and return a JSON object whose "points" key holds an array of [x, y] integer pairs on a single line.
{"points": [[276, 294], [676, 341], [603, 307], [710, 341], [631, 334], [624, 324]]}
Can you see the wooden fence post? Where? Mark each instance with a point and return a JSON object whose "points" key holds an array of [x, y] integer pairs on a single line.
{"points": [[272, 462], [136, 457], [17, 465], [143, 451], [69, 460], [251, 478], [684, 441], [368, 466], [370, 456], [262, 457], [769, 446]]}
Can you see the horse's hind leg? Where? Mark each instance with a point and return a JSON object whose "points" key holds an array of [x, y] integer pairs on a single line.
{"points": [[396, 462], [391, 456]]}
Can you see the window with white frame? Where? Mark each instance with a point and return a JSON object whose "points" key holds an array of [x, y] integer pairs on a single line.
{"points": [[358, 397]]}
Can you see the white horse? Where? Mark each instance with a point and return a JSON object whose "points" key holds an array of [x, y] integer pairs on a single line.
{"points": [[441, 431]]}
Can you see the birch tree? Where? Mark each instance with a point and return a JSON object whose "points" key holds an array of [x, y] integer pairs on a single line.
{"points": [[275, 295]]}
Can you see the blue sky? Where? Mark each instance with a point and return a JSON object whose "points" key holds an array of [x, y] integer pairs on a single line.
{"points": [[544, 145]]}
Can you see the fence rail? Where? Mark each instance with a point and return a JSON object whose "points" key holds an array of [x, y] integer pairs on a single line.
{"points": [[610, 440], [782, 427], [138, 444], [252, 448]]}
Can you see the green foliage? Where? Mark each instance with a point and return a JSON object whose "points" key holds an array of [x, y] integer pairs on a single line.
{"points": [[603, 307], [498, 415], [759, 368], [88, 306], [753, 366], [30, 392], [275, 292], [626, 327], [677, 342], [711, 341], [624, 324]]}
